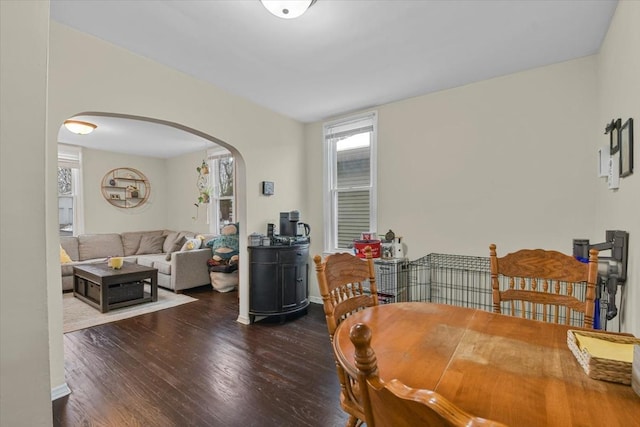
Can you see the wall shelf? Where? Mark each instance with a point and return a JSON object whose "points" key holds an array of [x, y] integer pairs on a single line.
{"points": [[125, 188]]}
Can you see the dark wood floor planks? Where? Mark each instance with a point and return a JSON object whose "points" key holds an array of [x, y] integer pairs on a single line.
{"points": [[194, 365]]}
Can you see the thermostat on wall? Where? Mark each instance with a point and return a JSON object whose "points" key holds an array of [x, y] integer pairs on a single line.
{"points": [[267, 188]]}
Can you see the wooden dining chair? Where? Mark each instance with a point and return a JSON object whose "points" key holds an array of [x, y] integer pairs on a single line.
{"points": [[394, 403], [544, 285], [347, 285]]}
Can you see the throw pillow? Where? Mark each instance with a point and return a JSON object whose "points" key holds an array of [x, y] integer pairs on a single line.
{"points": [[191, 244], [150, 244], [176, 247], [64, 256]]}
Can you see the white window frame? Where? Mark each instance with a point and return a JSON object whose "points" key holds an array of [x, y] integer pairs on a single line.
{"points": [[70, 156], [330, 177], [214, 206]]}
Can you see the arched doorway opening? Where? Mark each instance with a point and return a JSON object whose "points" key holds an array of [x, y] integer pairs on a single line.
{"points": [[116, 125]]}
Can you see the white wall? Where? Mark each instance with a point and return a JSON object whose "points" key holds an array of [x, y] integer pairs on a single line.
{"points": [[25, 392], [502, 161], [100, 216], [618, 68], [182, 178], [108, 79]]}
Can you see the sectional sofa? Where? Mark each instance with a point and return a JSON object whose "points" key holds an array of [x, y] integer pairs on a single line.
{"points": [[180, 265]]}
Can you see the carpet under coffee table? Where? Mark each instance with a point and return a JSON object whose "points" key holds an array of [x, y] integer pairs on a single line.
{"points": [[105, 288]]}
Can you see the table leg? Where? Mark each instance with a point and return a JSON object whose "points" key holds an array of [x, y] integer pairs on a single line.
{"points": [[104, 300], [154, 286]]}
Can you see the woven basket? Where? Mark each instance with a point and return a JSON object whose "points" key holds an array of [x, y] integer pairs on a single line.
{"points": [[599, 368]]}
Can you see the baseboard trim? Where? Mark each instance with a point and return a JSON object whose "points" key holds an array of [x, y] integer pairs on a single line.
{"points": [[243, 319], [315, 300], [60, 391]]}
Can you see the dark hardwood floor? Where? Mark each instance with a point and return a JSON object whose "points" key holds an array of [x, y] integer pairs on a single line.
{"points": [[194, 365]]}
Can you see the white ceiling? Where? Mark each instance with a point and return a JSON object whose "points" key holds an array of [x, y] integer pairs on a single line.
{"points": [[345, 55], [136, 137]]}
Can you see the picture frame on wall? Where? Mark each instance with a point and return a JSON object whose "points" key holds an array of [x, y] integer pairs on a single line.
{"points": [[626, 148], [614, 136]]}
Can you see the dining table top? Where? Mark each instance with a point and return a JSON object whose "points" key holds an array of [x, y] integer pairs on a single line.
{"points": [[516, 371]]}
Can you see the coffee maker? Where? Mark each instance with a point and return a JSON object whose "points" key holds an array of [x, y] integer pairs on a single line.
{"points": [[292, 231], [289, 223]]}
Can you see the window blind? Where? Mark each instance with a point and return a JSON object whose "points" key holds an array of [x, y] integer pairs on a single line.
{"points": [[350, 178]]}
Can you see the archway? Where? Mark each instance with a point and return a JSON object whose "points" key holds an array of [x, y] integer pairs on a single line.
{"points": [[240, 195]]}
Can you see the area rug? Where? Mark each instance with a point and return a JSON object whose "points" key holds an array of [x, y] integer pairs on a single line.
{"points": [[79, 315]]}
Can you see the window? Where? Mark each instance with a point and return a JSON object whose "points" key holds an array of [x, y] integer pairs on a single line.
{"points": [[350, 180], [70, 215], [222, 200]]}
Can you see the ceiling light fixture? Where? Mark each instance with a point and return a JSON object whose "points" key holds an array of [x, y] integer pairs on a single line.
{"points": [[287, 9], [78, 127]]}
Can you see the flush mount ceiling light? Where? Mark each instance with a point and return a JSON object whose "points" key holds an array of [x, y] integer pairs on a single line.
{"points": [[78, 127], [287, 9]]}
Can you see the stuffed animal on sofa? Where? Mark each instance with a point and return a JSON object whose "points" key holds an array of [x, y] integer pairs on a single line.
{"points": [[223, 265]]}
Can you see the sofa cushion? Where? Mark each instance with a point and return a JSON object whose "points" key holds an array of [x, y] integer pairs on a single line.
{"points": [[156, 261], [131, 240], [70, 245], [150, 244], [163, 266], [99, 246], [146, 260]]}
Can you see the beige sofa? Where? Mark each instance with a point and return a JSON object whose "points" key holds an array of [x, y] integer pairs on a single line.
{"points": [[183, 269]]}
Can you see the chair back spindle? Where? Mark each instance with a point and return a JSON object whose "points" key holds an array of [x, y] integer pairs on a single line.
{"points": [[542, 285]]}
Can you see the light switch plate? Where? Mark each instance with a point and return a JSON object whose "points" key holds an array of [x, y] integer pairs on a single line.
{"points": [[614, 171]]}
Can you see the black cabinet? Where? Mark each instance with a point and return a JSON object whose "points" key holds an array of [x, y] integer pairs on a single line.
{"points": [[278, 280]]}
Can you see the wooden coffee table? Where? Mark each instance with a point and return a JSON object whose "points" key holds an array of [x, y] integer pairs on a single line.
{"points": [[106, 289]]}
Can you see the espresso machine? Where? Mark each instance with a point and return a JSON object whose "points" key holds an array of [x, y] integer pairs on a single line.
{"points": [[292, 231]]}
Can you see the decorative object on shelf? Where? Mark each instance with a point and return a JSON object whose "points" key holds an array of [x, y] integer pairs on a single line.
{"points": [[626, 149], [79, 127], [125, 188]]}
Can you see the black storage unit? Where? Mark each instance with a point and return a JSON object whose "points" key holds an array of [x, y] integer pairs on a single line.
{"points": [[278, 280]]}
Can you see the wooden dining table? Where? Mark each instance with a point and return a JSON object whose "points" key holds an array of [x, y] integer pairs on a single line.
{"points": [[517, 371]]}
